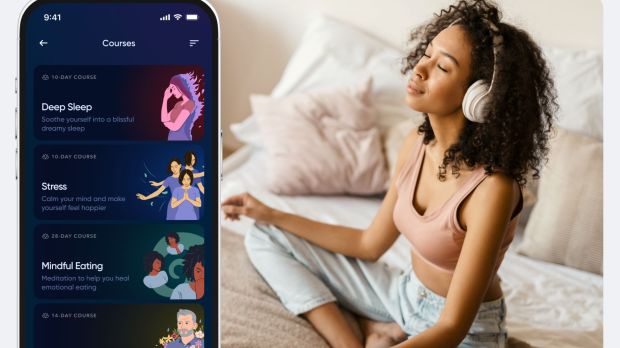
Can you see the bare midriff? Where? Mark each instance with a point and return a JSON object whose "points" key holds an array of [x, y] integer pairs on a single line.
{"points": [[438, 280]]}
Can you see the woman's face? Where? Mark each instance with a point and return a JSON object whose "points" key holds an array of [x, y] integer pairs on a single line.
{"points": [[193, 160], [198, 271], [157, 265], [186, 180], [175, 91], [175, 167], [172, 241], [438, 82]]}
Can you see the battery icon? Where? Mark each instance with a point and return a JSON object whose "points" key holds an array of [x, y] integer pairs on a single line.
{"points": [[191, 17]]}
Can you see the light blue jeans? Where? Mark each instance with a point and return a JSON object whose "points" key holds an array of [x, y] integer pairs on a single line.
{"points": [[305, 276]]}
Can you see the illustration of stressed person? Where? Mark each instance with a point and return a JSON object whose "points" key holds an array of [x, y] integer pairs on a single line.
{"points": [[194, 273], [186, 198], [180, 120], [174, 247], [171, 183], [190, 162], [153, 264], [186, 328]]}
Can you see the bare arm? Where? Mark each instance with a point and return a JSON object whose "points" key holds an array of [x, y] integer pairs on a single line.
{"points": [[165, 116], [367, 244], [180, 118], [486, 216], [196, 202], [176, 202], [152, 195]]}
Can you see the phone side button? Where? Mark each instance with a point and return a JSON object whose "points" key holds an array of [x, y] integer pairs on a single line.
{"points": [[16, 163], [16, 85], [16, 121]]}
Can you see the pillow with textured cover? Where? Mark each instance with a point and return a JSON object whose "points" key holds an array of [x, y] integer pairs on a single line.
{"points": [[566, 223], [322, 142]]}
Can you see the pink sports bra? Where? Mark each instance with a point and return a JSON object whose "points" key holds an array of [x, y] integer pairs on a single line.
{"points": [[436, 236]]}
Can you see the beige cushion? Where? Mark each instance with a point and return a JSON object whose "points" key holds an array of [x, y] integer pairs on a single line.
{"points": [[394, 139], [566, 223], [323, 142]]}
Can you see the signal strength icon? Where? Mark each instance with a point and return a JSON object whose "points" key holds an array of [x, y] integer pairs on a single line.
{"points": [[178, 16], [193, 43], [165, 18]]}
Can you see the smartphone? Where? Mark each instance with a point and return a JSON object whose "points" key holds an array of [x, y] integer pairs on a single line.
{"points": [[119, 167]]}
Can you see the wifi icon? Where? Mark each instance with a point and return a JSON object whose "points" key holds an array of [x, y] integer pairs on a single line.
{"points": [[178, 16]]}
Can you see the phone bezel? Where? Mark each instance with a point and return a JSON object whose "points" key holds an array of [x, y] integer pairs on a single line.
{"points": [[21, 137]]}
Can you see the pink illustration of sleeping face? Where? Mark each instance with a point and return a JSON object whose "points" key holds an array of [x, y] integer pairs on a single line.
{"points": [[175, 91], [157, 265]]}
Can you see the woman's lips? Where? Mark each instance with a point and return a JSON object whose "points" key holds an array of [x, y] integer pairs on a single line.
{"points": [[413, 90]]}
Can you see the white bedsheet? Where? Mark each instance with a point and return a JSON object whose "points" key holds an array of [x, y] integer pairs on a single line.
{"points": [[548, 305]]}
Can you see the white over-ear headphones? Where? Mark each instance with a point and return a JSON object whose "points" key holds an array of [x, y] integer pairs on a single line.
{"points": [[477, 98]]}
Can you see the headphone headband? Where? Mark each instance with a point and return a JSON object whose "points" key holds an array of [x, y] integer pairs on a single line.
{"points": [[497, 41]]}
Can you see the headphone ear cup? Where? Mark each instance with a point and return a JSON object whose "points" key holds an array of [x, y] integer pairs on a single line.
{"points": [[475, 101]]}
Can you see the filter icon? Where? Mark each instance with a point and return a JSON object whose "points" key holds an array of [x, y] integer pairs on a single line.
{"points": [[193, 43]]}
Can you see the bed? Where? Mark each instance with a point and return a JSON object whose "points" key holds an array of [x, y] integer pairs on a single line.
{"points": [[549, 304]]}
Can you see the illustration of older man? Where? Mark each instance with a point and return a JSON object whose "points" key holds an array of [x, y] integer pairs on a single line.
{"points": [[186, 327]]}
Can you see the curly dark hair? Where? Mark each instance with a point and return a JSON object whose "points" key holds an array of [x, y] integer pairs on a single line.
{"points": [[150, 257], [195, 254], [514, 137]]}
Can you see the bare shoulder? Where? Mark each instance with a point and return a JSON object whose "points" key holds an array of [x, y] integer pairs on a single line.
{"points": [[497, 193]]}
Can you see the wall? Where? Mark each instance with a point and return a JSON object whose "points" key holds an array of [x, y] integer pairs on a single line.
{"points": [[258, 37]]}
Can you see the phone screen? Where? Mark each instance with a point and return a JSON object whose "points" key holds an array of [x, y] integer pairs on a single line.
{"points": [[119, 152]]}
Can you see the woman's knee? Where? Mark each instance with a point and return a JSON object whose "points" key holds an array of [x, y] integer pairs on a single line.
{"points": [[260, 238]]}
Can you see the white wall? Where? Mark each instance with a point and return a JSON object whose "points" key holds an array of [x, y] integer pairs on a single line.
{"points": [[258, 37]]}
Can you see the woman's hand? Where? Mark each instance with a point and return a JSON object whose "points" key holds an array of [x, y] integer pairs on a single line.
{"points": [[141, 196], [246, 204], [168, 92], [155, 183]]}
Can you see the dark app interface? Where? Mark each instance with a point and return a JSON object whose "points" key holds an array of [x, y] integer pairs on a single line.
{"points": [[118, 175]]}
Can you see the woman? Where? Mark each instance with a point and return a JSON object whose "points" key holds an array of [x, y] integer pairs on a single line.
{"points": [[153, 264], [171, 182], [186, 198], [180, 120], [190, 162], [194, 273], [174, 247], [456, 196]]}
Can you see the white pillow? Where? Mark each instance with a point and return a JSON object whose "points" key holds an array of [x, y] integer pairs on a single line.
{"points": [[334, 54], [578, 78]]}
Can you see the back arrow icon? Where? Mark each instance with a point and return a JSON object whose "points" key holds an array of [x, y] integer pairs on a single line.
{"points": [[42, 43]]}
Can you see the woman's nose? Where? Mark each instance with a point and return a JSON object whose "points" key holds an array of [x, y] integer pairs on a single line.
{"points": [[418, 73]]}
